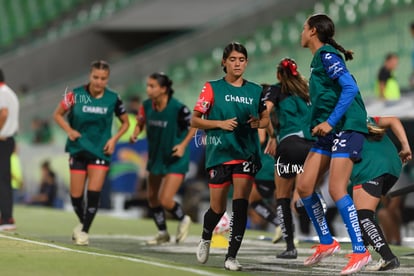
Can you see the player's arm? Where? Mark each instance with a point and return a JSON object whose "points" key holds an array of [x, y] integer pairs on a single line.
{"points": [[139, 126], [184, 121], [337, 71], [264, 118], [198, 122], [270, 97], [397, 128], [120, 112], [60, 111], [4, 113], [202, 107], [122, 115]]}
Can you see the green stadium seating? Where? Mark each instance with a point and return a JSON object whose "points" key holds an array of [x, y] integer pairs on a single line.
{"points": [[19, 18]]}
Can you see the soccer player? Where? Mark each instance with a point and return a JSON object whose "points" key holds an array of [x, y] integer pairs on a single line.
{"points": [[230, 110], [291, 101], [167, 124], [373, 177], [338, 121], [90, 110]]}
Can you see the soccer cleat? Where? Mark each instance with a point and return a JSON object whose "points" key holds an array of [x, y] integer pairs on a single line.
{"points": [[7, 225], [203, 250], [383, 265], [322, 251], [76, 231], [183, 229], [82, 238], [160, 238], [356, 262], [288, 254], [278, 234], [232, 264]]}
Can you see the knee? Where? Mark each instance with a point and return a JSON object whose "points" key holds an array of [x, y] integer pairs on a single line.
{"points": [[166, 203], [217, 208], [303, 191]]}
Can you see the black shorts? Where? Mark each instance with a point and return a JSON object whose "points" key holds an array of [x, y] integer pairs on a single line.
{"points": [[222, 175], [290, 156], [378, 186], [80, 163], [266, 188]]}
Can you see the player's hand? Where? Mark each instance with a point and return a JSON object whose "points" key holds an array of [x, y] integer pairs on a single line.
{"points": [[405, 154], [109, 147], [271, 146], [229, 124], [73, 134], [178, 150], [322, 129], [133, 139], [254, 122]]}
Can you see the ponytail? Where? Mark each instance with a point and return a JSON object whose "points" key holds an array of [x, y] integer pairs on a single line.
{"points": [[325, 29], [349, 55]]}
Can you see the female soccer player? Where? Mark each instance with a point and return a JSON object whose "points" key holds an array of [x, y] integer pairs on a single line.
{"points": [[290, 98], [339, 122], [230, 110], [90, 110], [167, 124], [373, 177]]}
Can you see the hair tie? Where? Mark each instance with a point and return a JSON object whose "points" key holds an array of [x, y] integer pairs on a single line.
{"points": [[291, 65]]}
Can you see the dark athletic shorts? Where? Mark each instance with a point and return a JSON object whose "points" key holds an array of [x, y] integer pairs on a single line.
{"points": [[290, 156]]}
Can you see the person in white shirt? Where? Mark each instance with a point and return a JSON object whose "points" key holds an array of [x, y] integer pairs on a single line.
{"points": [[9, 123]]}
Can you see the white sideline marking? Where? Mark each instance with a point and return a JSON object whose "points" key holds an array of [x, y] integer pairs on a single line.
{"points": [[192, 270]]}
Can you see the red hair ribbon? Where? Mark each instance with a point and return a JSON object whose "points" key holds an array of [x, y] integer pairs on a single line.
{"points": [[288, 63]]}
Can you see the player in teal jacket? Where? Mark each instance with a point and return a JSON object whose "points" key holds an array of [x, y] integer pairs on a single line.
{"points": [[230, 110], [90, 110], [167, 123], [291, 101], [373, 177], [339, 122]]}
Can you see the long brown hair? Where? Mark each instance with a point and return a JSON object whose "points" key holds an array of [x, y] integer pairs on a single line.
{"points": [[325, 29], [291, 80]]}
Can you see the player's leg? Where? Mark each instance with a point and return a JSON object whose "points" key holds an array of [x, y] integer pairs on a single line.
{"points": [[168, 190], [367, 197], [219, 185], [283, 197], [156, 209]]}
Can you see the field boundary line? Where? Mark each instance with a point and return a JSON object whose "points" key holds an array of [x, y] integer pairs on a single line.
{"points": [[131, 259]]}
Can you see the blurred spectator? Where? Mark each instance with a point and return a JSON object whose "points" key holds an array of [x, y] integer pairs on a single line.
{"points": [[48, 188], [42, 133], [412, 56], [132, 107], [16, 176], [387, 86], [9, 124]]}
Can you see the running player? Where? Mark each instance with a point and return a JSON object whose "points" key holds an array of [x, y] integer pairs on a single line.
{"points": [[230, 110], [373, 177], [167, 124], [290, 98], [90, 110], [339, 122]]}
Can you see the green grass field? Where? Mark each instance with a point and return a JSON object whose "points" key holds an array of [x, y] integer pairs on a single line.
{"points": [[42, 246]]}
